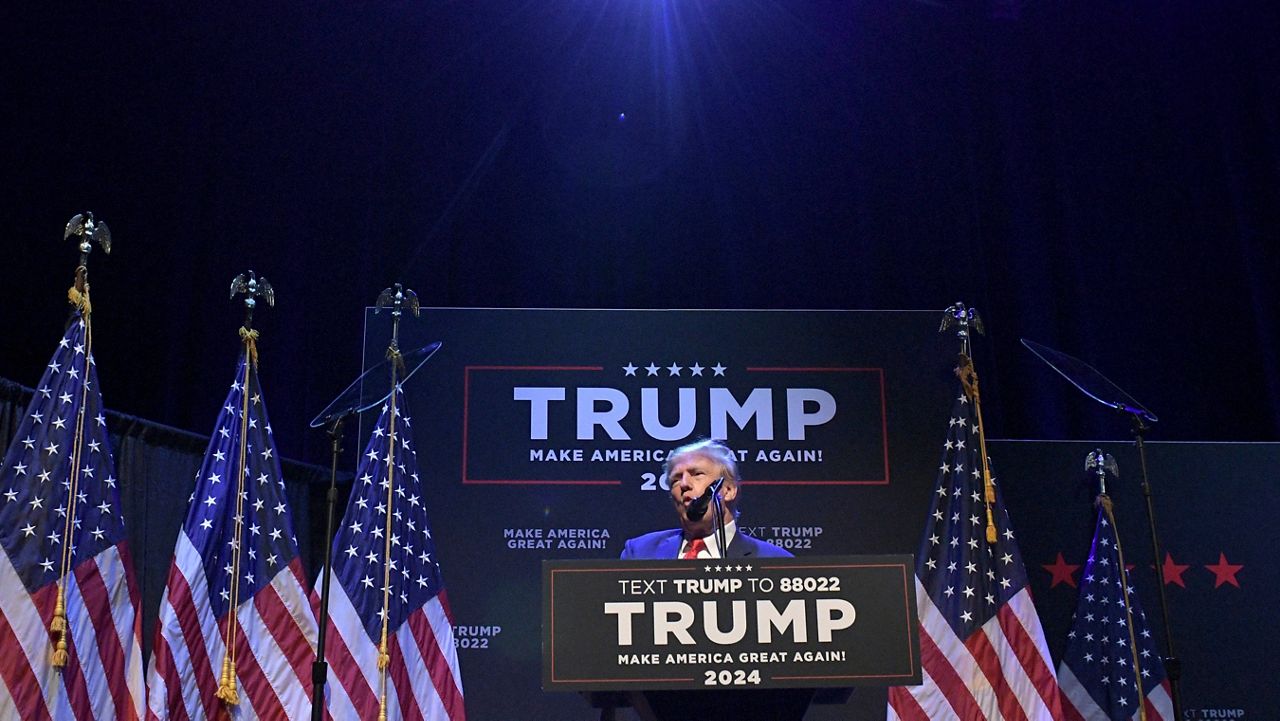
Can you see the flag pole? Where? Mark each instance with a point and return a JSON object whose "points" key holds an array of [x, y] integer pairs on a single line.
{"points": [[1102, 465], [252, 287], [398, 299], [965, 320], [82, 226]]}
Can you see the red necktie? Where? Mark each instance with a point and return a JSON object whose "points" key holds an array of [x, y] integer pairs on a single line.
{"points": [[695, 547]]}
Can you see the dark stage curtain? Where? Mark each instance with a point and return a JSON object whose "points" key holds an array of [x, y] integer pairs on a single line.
{"points": [[1103, 178]]}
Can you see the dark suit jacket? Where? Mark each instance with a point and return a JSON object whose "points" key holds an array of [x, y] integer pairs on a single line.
{"points": [[665, 545]]}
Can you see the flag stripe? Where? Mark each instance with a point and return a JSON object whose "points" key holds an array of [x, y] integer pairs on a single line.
{"points": [[443, 597], [16, 671], [948, 680], [92, 696], [1018, 681], [128, 622], [285, 678], [23, 628], [100, 607], [951, 662], [980, 645], [905, 706], [159, 688], [1069, 712], [1021, 627], [342, 661], [1080, 705], [444, 675], [190, 652], [398, 676], [76, 691], [1159, 703], [283, 622], [8, 709], [254, 690]]}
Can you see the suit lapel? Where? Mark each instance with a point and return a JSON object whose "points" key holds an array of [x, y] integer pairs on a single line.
{"points": [[669, 547], [739, 547]]}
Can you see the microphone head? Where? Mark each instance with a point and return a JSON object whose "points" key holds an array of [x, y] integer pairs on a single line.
{"points": [[698, 508]]}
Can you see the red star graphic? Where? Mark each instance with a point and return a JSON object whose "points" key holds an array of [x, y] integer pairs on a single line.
{"points": [[1224, 572], [1173, 571], [1062, 571]]}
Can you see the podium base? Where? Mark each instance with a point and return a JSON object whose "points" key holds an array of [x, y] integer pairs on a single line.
{"points": [[719, 705], [736, 705]]}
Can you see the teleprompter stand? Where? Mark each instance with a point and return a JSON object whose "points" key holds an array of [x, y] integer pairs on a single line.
{"points": [[1098, 387], [368, 391]]}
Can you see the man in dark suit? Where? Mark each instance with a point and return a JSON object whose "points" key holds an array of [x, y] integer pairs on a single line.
{"points": [[691, 469]]}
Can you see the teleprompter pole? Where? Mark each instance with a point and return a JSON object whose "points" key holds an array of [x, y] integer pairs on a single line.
{"points": [[1172, 665], [320, 669]]}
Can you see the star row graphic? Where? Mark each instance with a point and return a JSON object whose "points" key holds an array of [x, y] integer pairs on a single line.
{"points": [[1223, 572], [675, 369], [726, 567]]}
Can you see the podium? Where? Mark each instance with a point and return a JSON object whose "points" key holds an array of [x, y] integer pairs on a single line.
{"points": [[737, 639]]}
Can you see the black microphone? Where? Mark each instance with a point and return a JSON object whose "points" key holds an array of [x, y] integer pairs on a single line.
{"points": [[698, 507]]}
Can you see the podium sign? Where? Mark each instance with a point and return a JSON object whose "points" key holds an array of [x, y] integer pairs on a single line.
{"points": [[737, 623]]}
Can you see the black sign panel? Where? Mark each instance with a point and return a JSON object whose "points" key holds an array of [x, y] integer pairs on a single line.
{"points": [[739, 623]]}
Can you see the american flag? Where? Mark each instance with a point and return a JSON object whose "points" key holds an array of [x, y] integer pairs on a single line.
{"points": [[982, 648], [1111, 667], [385, 569], [60, 525], [235, 550]]}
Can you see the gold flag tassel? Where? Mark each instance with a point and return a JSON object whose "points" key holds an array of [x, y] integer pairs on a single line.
{"points": [[227, 684], [969, 379], [59, 627]]}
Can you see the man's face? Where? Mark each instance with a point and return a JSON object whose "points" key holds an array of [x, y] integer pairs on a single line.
{"points": [[690, 475]]}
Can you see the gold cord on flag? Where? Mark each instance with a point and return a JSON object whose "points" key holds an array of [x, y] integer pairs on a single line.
{"points": [[384, 657], [1104, 502], [78, 295], [250, 338], [969, 379], [227, 683]]}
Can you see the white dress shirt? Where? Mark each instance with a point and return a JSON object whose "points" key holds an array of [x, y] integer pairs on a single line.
{"points": [[712, 550]]}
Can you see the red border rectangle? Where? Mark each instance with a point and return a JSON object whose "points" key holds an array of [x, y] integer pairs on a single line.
{"points": [[466, 426]]}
